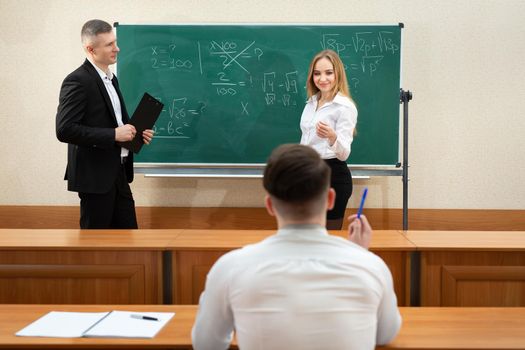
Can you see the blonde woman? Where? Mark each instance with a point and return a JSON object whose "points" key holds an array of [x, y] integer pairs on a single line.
{"points": [[328, 123]]}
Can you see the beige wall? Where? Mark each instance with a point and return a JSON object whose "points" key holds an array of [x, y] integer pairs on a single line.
{"points": [[463, 59]]}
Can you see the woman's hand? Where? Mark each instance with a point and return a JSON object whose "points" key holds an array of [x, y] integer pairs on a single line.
{"points": [[326, 132]]}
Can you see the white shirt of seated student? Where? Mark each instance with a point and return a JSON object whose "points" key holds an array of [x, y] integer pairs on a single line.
{"points": [[298, 289], [341, 115]]}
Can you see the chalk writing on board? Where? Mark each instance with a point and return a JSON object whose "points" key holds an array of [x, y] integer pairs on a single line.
{"points": [[286, 84], [245, 108], [182, 115], [227, 50], [386, 42], [233, 69], [370, 47]]}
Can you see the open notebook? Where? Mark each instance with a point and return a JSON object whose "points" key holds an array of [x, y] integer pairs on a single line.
{"points": [[113, 324]]}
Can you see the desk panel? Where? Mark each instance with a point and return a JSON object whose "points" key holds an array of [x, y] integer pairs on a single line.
{"points": [[80, 277], [471, 268], [463, 278]]}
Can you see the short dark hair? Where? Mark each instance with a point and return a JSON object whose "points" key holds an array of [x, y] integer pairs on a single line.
{"points": [[297, 177], [94, 27]]}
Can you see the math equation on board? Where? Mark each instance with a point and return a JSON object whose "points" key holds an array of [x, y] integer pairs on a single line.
{"points": [[243, 75]]}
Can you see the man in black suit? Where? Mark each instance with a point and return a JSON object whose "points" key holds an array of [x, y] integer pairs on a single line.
{"points": [[92, 119]]}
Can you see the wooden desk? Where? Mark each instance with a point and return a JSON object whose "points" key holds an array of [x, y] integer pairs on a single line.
{"points": [[471, 268], [127, 266], [195, 251], [176, 334], [82, 266], [458, 268], [460, 328], [423, 328]]}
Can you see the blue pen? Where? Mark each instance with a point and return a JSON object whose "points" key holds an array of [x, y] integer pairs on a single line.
{"points": [[362, 203]]}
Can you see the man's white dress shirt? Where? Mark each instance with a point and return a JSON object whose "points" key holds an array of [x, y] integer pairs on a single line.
{"points": [[298, 289], [341, 115], [115, 101]]}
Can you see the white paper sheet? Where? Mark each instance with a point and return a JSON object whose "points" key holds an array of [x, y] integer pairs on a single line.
{"points": [[62, 324], [120, 324], [114, 324]]}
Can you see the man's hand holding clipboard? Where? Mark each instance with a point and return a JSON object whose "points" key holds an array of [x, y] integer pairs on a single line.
{"points": [[143, 118]]}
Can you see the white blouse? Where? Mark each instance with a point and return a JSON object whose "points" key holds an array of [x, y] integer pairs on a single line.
{"points": [[341, 115]]}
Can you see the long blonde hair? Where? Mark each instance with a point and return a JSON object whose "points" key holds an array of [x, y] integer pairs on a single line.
{"points": [[341, 83]]}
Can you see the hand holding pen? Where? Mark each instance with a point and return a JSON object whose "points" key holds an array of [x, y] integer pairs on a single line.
{"points": [[359, 230]]}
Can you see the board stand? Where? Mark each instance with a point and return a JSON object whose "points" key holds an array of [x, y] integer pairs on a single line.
{"points": [[404, 98]]}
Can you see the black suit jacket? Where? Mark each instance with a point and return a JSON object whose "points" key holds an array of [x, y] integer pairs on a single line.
{"points": [[86, 121]]}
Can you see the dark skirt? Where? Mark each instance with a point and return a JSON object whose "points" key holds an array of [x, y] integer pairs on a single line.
{"points": [[341, 182]]}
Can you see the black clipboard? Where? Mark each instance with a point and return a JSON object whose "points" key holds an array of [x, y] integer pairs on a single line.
{"points": [[143, 118]]}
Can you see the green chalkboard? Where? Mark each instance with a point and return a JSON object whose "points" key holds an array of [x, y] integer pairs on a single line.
{"points": [[232, 93]]}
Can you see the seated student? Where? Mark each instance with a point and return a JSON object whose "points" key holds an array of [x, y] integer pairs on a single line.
{"points": [[300, 288]]}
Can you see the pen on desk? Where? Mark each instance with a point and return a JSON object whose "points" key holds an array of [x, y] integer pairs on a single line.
{"points": [[143, 317], [362, 203]]}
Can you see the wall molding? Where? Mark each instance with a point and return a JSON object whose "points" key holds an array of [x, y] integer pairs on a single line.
{"points": [[35, 216]]}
